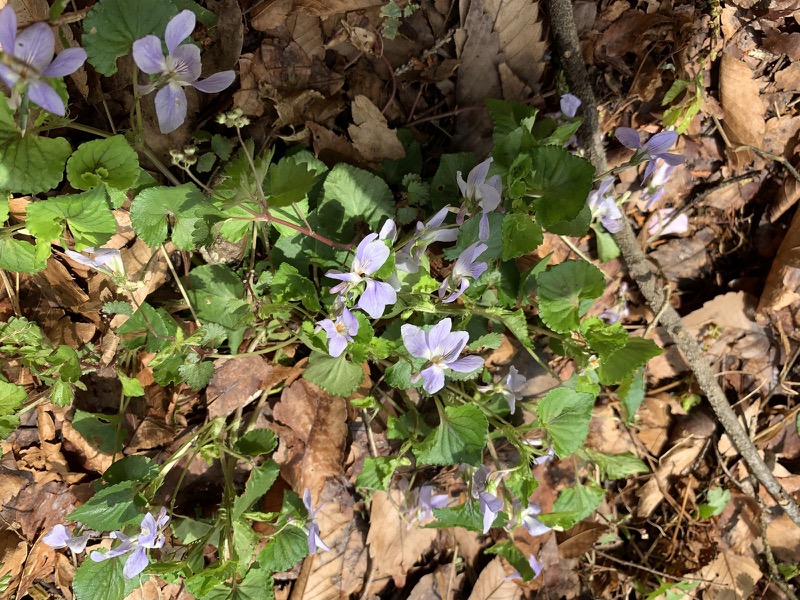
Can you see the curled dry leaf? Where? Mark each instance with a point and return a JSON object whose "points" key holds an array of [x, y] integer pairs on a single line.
{"points": [[371, 134], [676, 461], [783, 280]]}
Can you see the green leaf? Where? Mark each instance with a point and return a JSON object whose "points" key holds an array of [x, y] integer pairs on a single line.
{"points": [[604, 338], [286, 548], [521, 482], [566, 292], [520, 235], [8, 423], [444, 186], [99, 430], [153, 207], [256, 585], [616, 466], [716, 501], [261, 479], [515, 557], [197, 375], [565, 415], [189, 530], [289, 286], [216, 293], [574, 504], [118, 307], [467, 516], [29, 164], [256, 442], [336, 376], [131, 386], [110, 508], [468, 233], [289, 180], [351, 196], [103, 580], [399, 375], [459, 438], [631, 394], [616, 366], [607, 248], [508, 116], [87, 215], [377, 471], [491, 341], [11, 398], [560, 183], [109, 161], [132, 468], [113, 25]]}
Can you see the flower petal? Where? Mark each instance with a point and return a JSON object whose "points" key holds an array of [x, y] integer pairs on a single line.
{"points": [[179, 28], [41, 94], [78, 543], [375, 298], [462, 185], [216, 82], [136, 563], [415, 341], [660, 143], [452, 346], [348, 277], [58, 537], [35, 46], [432, 379], [467, 364], [370, 255], [8, 28], [148, 56], [479, 173], [628, 137], [673, 160], [184, 63], [569, 104], [483, 227], [170, 108], [336, 344], [438, 335], [8, 75], [66, 63], [456, 294]]}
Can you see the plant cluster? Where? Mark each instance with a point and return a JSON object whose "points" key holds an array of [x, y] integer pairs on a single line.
{"points": [[407, 273]]}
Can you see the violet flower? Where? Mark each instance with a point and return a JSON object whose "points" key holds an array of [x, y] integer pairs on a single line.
{"points": [[107, 260], [485, 194], [440, 348], [312, 528], [490, 504], [511, 389], [545, 458], [181, 67], [535, 565], [655, 187], [151, 536], [465, 266], [408, 259], [661, 223], [428, 501], [570, 105], [60, 537], [370, 256], [32, 59], [654, 149], [530, 522], [339, 332], [603, 207]]}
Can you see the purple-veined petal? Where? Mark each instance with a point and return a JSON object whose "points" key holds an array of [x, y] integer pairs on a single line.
{"points": [[336, 344], [41, 94], [477, 269], [8, 28], [66, 63], [8, 75], [216, 82], [479, 480], [415, 341], [376, 297], [454, 295], [347, 277], [163, 518], [451, 346], [442, 235], [388, 231], [58, 537], [534, 526], [149, 531], [170, 108], [432, 379], [490, 506], [370, 255], [437, 219], [628, 137], [660, 143], [99, 556], [136, 563], [184, 64], [570, 104], [350, 322], [489, 197], [148, 56], [467, 364], [483, 227], [307, 502], [438, 335], [78, 543], [496, 182], [35, 46], [479, 173], [178, 29]]}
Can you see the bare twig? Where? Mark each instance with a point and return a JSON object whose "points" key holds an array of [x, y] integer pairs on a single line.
{"points": [[563, 23]]}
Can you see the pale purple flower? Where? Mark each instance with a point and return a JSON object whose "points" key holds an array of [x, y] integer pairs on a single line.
{"points": [[603, 206], [478, 191], [408, 259], [60, 537], [490, 507], [661, 223], [530, 522], [107, 260], [428, 501], [339, 332], [655, 187], [440, 348], [370, 256], [620, 309], [511, 389], [654, 149], [546, 457], [312, 528], [570, 105], [535, 565], [179, 68], [32, 59], [388, 231], [466, 266], [151, 536]]}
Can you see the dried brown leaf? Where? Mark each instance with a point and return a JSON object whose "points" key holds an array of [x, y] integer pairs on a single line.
{"points": [[13, 552], [237, 382], [442, 583], [522, 37], [493, 585], [324, 8], [371, 134], [307, 33], [93, 459], [676, 461], [734, 576], [577, 541], [783, 280], [744, 109]]}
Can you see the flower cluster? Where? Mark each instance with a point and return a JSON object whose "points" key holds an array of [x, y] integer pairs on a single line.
{"points": [[151, 536], [653, 150]]}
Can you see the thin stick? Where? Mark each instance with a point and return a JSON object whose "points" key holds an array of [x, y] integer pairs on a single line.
{"points": [[563, 23]]}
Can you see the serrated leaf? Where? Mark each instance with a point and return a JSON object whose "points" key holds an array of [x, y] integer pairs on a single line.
{"points": [[574, 504], [110, 161], [507, 116], [716, 501], [459, 438], [103, 580], [616, 466], [631, 394], [286, 548], [604, 338], [515, 557], [110, 508], [520, 235], [399, 375], [256, 585], [197, 375], [289, 180], [112, 26], [352, 195], [256, 442], [118, 307], [289, 286], [29, 164], [337, 376], [87, 215], [467, 516], [99, 430], [565, 415], [132, 468], [192, 213], [566, 292], [261, 479], [491, 341], [377, 471], [617, 365], [11, 397], [560, 184]]}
